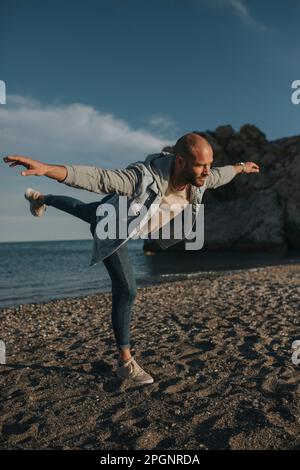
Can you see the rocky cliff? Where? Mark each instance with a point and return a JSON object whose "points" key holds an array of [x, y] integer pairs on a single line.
{"points": [[256, 212]]}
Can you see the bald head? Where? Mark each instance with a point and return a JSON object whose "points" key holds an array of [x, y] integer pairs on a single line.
{"points": [[190, 145], [193, 159]]}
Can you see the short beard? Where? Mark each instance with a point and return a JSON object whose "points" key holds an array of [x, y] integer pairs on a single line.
{"points": [[191, 179]]}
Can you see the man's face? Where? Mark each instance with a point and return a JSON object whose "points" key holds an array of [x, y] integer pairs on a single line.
{"points": [[196, 168]]}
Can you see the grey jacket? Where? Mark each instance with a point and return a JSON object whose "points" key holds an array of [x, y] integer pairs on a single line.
{"points": [[144, 182]]}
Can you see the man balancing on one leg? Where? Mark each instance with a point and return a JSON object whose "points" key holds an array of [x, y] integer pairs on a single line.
{"points": [[178, 179]]}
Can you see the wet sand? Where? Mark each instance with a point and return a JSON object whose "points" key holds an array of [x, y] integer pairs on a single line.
{"points": [[219, 348]]}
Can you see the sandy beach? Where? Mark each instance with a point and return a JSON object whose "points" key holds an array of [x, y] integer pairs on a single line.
{"points": [[219, 348]]}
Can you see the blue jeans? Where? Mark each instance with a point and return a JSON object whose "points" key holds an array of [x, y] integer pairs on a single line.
{"points": [[118, 266]]}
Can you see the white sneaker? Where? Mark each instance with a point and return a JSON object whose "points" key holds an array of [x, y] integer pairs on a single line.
{"points": [[36, 207], [132, 371]]}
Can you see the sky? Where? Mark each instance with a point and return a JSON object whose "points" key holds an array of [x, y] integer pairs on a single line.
{"points": [[106, 82]]}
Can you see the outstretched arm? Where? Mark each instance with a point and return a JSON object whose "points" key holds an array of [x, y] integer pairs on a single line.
{"points": [[36, 168], [219, 176], [97, 180]]}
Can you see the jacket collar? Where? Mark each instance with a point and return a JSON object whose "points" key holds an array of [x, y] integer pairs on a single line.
{"points": [[160, 166]]}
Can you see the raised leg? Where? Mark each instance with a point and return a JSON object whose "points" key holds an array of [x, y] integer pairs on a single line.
{"points": [[72, 206]]}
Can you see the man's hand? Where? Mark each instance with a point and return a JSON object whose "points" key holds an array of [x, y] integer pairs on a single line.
{"points": [[36, 168], [247, 167]]}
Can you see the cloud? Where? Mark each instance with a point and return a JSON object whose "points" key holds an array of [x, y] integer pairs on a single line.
{"points": [[239, 8], [242, 10], [58, 134], [163, 125], [74, 133]]}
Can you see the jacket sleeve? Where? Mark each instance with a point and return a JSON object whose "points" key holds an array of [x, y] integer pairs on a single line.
{"points": [[220, 175], [99, 180]]}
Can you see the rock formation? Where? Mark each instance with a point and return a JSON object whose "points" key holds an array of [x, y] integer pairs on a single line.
{"points": [[256, 212]]}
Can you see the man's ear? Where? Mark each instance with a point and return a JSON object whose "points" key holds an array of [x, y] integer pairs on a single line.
{"points": [[179, 160]]}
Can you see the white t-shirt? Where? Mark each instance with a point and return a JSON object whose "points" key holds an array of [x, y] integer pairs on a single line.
{"points": [[177, 199]]}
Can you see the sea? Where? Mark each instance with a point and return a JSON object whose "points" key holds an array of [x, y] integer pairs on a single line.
{"points": [[35, 272]]}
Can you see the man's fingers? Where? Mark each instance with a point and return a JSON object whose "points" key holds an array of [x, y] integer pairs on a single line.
{"points": [[33, 167], [15, 163], [27, 165], [253, 167], [12, 158], [16, 158], [28, 172]]}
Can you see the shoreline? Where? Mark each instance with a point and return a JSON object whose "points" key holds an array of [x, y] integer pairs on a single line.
{"points": [[173, 277], [218, 347]]}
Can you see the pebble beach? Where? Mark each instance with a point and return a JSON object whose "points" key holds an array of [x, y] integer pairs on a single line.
{"points": [[219, 348]]}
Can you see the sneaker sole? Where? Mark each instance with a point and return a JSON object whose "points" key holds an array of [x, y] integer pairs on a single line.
{"points": [[145, 382], [34, 211]]}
